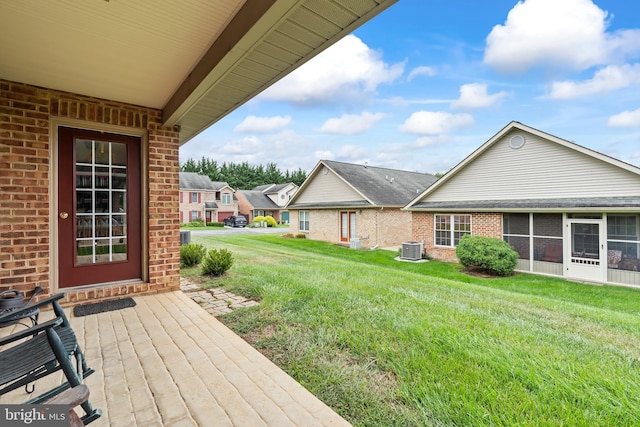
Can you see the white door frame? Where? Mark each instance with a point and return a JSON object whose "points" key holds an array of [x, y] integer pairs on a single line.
{"points": [[585, 268]]}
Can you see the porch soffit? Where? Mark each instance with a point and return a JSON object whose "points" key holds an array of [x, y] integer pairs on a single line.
{"points": [[197, 61]]}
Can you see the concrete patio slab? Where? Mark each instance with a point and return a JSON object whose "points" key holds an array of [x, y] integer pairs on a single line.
{"points": [[167, 362]]}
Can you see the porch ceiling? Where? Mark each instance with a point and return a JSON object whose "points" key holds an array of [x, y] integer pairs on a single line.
{"points": [[195, 60]]}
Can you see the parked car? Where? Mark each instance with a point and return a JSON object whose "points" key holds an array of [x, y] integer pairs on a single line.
{"points": [[235, 221]]}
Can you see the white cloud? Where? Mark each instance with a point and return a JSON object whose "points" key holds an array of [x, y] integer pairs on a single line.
{"points": [[429, 141], [352, 152], [558, 34], [625, 119], [474, 95], [422, 71], [324, 155], [435, 123], [253, 124], [352, 124], [607, 79], [346, 70]]}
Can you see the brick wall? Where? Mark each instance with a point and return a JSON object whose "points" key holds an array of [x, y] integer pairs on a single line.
{"points": [[374, 227], [482, 224], [26, 176]]}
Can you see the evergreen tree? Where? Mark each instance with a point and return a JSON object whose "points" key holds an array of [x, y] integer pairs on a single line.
{"points": [[243, 176]]}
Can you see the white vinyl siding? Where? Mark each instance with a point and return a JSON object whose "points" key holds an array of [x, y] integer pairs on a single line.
{"points": [[541, 169], [327, 187]]}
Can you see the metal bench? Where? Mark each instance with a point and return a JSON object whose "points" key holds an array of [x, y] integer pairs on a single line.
{"points": [[41, 350]]}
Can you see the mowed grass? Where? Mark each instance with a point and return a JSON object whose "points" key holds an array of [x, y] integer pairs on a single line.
{"points": [[391, 343]]}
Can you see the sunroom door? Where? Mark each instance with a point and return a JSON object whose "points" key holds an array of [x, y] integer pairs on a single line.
{"points": [[99, 218], [586, 252]]}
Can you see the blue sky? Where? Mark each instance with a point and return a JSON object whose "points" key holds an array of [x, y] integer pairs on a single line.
{"points": [[425, 83]]}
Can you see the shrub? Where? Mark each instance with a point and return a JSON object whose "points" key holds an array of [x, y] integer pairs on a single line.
{"points": [[487, 254], [271, 222], [191, 254], [215, 224], [301, 236], [259, 218], [198, 222], [216, 262]]}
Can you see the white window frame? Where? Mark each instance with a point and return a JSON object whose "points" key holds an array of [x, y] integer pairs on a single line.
{"points": [[452, 229], [303, 221], [193, 196], [226, 198]]}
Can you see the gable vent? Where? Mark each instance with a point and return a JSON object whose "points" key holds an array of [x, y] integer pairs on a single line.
{"points": [[516, 141]]}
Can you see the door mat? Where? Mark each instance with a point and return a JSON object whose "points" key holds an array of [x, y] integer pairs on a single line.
{"points": [[101, 307]]}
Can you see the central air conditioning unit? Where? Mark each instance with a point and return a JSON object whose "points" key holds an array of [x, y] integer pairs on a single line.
{"points": [[354, 243], [411, 251], [185, 237]]}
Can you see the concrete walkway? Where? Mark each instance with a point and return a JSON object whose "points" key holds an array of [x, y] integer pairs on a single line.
{"points": [[167, 362]]}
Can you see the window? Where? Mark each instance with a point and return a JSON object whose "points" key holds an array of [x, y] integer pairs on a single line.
{"points": [[515, 231], [623, 241], [194, 215], [541, 231], [194, 197], [260, 212], [226, 198], [303, 220], [449, 229]]}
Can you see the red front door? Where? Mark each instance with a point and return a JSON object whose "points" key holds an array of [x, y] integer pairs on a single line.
{"points": [[99, 205]]}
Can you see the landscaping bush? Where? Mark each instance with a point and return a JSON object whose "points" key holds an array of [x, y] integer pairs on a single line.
{"points": [[216, 262], [271, 222], [301, 236], [198, 222], [192, 254], [215, 224], [487, 254]]}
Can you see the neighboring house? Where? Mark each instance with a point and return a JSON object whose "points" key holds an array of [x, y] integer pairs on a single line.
{"points": [[95, 102], [201, 198], [568, 211], [266, 200], [343, 201]]}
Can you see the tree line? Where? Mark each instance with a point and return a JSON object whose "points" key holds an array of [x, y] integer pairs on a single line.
{"points": [[243, 176]]}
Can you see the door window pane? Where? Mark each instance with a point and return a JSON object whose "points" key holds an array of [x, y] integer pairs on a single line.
{"points": [[585, 240], [101, 208]]}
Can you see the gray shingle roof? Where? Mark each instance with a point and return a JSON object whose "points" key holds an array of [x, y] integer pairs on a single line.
{"points": [[384, 187], [210, 205], [194, 181], [259, 200], [533, 204], [263, 187]]}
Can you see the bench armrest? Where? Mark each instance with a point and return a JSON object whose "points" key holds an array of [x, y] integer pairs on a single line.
{"points": [[8, 315], [31, 331]]}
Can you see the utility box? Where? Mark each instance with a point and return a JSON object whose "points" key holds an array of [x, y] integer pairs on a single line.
{"points": [[354, 243], [185, 237]]}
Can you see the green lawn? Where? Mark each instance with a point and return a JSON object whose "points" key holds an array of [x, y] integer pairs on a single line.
{"points": [[392, 343]]}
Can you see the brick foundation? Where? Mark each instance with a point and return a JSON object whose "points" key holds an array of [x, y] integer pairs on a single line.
{"points": [[25, 186]]}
